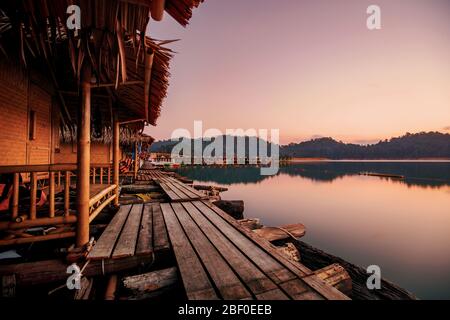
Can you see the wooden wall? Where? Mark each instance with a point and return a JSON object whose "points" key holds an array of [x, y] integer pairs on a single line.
{"points": [[100, 153], [22, 93]]}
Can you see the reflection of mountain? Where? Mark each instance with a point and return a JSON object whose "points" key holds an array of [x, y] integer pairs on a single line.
{"points": [[426, 174], [223, 175]]}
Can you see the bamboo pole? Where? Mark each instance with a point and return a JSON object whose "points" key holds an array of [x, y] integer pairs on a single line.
{"points": [[93, 175], [110, 292], [136, 160], [67, 194], [109, 175], [15, 206], [157, 9], [52, 195], [83, 158], [33, 196], [149, 56], [116, 133], [22, 223], [101, 175], [59, 178]]}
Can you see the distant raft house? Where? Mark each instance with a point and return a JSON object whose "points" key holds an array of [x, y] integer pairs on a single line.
{"points": [[74, 103]]}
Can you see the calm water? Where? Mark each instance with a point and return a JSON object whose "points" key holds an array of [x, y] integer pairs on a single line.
{"points": [[402, 226]]}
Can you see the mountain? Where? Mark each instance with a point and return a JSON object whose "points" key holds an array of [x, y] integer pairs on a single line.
{"points": [[167, 145], [409, 146]]}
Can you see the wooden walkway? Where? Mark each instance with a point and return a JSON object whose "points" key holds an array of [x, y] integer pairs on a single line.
{"points": [[135, 230], [175, 189], [219, 259]]}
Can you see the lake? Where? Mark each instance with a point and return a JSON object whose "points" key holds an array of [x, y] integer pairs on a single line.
{"points": [[403, 226]]}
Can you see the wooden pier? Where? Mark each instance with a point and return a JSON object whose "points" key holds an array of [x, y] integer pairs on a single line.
{"points": [[217, 258]]}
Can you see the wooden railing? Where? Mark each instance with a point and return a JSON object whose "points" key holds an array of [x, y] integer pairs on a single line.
{"points": [[101, 173], [59, 219]]}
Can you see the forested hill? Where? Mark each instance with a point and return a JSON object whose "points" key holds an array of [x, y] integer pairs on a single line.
{"points": [[409, 146]]}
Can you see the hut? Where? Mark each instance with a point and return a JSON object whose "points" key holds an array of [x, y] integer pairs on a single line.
{"points": [[92, 83]]}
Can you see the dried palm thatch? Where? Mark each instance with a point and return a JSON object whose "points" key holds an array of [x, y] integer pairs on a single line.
{"points": [[128, 136], [181, 10], [128, 67]]}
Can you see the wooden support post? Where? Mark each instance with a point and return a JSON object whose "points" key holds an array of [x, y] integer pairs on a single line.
{"points": [[67, 194], [93, 175], [136, 160], [52, 194], [101, 175], [111, 287], [15, 206], [109, 175], [33, 196], [83, 158], [157, 9], [116, 133], [59, 179]]}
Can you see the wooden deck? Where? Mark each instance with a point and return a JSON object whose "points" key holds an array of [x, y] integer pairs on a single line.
{"points": [[216, 256], [219, 259], [176, 190], [135, 230]]}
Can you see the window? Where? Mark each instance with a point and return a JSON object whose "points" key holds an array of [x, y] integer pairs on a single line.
{"points": [[32, 126]]}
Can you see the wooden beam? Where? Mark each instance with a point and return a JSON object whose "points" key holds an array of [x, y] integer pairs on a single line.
{"points": [[150, 285], [116, 134], [40, 272], [83, 158], [335, 275], [38, 168]]}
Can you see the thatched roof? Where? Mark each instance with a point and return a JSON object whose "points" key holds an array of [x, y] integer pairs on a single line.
{"points": [[111, 41], [128, 136]]}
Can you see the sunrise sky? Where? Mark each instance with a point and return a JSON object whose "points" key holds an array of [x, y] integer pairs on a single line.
{"points": [[310, 68]]}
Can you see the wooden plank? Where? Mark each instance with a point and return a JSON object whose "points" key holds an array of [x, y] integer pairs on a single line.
{"points": [[126, 244], [160, 237], [275, 294], [226, 281], [255, 280], [270, 266], [300, 270], [195, 279], [105, 245], [145, 240], [195, 193], [172, 195], [188, 193], [178, 192]]}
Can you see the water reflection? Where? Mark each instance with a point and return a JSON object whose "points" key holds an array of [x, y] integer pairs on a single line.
{"points": [[401, 225], [425, 174]]}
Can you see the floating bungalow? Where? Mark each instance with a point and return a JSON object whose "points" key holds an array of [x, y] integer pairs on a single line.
{"points": [[73, 107]]}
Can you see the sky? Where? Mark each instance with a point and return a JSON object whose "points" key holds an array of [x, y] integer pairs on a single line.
{"points": [[310, 68]]}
